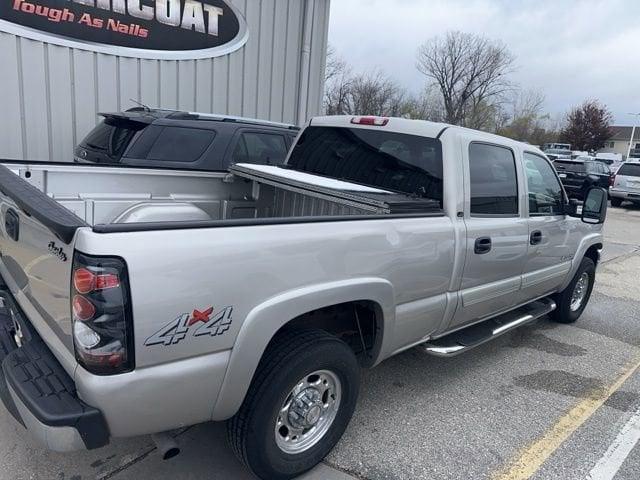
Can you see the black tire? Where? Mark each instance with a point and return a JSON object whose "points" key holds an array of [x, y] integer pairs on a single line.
{"points": [[251, 432], [616, 202], [563, 312]]}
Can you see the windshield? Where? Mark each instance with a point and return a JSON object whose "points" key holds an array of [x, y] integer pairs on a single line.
{"points": [[391, 161]]}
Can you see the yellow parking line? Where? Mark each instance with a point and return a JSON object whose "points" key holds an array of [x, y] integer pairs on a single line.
{"points": [[533, 456]]}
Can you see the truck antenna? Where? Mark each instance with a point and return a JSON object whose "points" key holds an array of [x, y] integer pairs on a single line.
{"points": [[146, 108]]}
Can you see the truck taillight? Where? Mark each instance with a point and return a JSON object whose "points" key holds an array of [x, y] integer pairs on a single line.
{"points": [[612, 180], [101, 314]]}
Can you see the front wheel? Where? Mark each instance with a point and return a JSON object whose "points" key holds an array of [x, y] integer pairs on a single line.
{"points": [[298, 406], [571, 302]]}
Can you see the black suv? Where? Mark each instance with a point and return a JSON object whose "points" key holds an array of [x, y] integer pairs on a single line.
{"points": [[580, 174], [187, 141]]}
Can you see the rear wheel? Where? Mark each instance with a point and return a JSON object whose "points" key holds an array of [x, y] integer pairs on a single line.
{"points": [[616, 202], [298, 406], [571, 302]]}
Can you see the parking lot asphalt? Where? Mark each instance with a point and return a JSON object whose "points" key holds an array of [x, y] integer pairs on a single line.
{"points": [[546, 401]]}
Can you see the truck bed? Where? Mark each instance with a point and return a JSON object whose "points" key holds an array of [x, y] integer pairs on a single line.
{"points": [[107, 196]]}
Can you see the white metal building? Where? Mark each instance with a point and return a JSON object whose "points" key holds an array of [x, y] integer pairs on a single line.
{"points": [[53, 86]]}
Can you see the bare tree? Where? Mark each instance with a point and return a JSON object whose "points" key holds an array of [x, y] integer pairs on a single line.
{"points": [[336, 65], [522, 118], [338, 80], [376, 94], [471, 74]]}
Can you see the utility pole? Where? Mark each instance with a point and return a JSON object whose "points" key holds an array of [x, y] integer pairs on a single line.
{"points": [[633, 133]]}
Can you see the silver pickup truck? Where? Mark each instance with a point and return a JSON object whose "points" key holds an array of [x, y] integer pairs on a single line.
{"points": [[136, 301]]}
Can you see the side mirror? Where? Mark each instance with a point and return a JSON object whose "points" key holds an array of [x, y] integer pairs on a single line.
{"points": [[594, 210]]}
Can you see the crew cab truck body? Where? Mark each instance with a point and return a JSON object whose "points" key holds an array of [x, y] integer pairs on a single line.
{"points": [[137, 301]]}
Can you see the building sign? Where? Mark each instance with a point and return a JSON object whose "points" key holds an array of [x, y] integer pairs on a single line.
{"points": [[160, 29]]}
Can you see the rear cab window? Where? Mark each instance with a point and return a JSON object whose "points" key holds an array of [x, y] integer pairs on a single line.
{"points": [[408, 167]]}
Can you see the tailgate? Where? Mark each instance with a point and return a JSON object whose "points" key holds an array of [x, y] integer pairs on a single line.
{"points": [[628, 183], [36, 250]]}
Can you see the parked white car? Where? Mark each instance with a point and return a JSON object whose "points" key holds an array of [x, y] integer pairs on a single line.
{"points": [[626, 183]]}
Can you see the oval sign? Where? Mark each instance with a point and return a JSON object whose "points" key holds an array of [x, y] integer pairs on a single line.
{"points": [[157, 29]]}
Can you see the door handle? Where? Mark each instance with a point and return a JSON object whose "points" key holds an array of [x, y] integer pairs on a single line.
{"points": [[482, 245], [535, 238]]}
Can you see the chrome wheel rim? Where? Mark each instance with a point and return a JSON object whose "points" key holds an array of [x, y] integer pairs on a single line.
{"points": [[579, 292], [308, 411]]}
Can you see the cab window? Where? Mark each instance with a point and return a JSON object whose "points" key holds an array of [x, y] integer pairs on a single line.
{"points": [[545, 191], [494, 184]]}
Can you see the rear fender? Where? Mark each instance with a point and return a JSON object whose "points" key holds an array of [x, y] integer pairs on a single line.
{"points": [[266, 319]]}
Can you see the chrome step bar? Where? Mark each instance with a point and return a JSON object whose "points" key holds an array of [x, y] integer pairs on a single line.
{"points": [[464, 340]]}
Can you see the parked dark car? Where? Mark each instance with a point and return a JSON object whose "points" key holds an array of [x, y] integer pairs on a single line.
{"points": [[580, 174], [182, 140]]}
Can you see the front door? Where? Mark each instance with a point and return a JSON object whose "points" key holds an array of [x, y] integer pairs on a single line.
{"points": [[497, 233], [553, 236]]}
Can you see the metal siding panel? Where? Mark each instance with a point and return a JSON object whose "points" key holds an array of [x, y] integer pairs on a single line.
{"points": [[61, 120], [220, 90], [84, 82], [129, 82], [252, 51], [11, 126], [265, 59], [318, 58], [236, 69], [168, 84], [186, 85], [292, 70], [277, 96], [35, 100], [204, 84], [149, 85], [107, 79]]}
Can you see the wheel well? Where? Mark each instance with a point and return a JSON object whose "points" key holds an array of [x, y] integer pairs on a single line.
{"points": [[592, 252], [358, 323]]}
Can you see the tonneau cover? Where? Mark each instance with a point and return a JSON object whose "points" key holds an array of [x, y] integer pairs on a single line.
{"points": [[383, 201]]}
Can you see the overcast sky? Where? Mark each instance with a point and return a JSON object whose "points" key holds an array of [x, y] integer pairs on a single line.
{"points": [[570, 50]]}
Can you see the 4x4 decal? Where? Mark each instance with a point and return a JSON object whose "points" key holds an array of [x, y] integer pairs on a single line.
{"points": [[207, 324]]}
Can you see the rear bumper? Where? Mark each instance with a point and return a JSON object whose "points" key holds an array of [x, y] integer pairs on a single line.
{"points": [[624, 194], [38, 392]]}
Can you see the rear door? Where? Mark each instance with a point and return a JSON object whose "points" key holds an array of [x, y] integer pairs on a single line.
{"points": [[497, 233], [552, 240], [572, 174]]}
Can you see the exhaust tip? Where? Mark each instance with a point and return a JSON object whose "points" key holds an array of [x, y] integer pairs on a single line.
{"points": [[166, 445], [172, 452]]}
